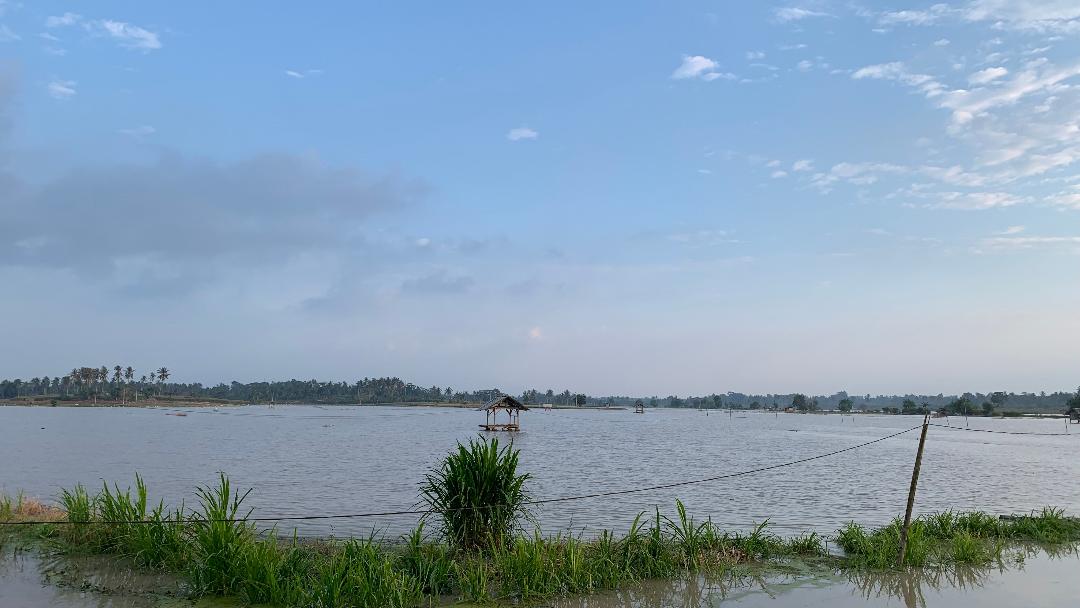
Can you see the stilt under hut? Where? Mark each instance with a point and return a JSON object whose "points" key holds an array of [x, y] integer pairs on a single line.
{"points": [[510, 406]]}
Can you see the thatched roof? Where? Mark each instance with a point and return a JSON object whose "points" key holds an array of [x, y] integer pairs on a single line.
{"points": [[506, 402]]}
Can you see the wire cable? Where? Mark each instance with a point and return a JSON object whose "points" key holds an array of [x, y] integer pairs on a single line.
{"points": [[527, 503], [956, 428]]}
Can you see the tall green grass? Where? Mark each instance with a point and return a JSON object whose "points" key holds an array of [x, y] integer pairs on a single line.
{"points": [[221, 553], [949, 538], [477, 494]]}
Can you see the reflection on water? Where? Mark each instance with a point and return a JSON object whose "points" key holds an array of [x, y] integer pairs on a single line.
{"points": [[31, 580], [1029, 577]]}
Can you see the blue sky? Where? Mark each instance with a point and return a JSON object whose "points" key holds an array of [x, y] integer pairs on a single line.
{"points": [[632, 197]]}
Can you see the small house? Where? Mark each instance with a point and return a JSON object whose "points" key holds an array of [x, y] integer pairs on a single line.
{"points": [[503, 405]]}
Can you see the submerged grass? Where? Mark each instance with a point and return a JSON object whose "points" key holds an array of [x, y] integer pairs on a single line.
{"points": [[950, 538]]}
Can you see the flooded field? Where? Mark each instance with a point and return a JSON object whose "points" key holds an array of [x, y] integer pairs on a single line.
{"points": [[1038, 580], [28, 580], [312, 460]]}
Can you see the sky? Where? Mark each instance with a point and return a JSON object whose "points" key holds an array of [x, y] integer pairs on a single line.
{"points": [[610, 197]]}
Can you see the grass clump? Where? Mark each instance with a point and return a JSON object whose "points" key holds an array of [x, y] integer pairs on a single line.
{"points": [[950, 538], [477, 494]]}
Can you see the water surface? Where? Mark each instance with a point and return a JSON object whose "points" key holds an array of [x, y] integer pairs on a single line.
{"points": [[308, 460]]}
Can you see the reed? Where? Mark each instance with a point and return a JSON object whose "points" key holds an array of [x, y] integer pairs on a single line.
{"points": [[220, 538]]}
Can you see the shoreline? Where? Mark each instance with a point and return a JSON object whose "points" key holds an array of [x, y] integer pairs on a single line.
{"points": [[155, 402]]}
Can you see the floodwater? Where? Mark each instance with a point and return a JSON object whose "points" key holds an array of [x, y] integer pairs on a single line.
{"points": [[315, 460], [1037, 581], [28, 580]]}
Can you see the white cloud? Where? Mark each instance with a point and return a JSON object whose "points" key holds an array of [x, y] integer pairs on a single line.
{"points": [[521, 133], [1067, 199], [129, 36], [302, 74], [974, 201], [61, 89], [792, 47], [698, 66], [49, 37], [1029, 242], [916, 17], [778, 174], [536, 333], [1012, 230], [139, 132], [987, 75], [125, 34], [711, 76], [1036, 77], [64, 20], [794, 13], [755, 55], [1037, 15], [6, 35], [941, 42], [805, 65], [803, 165]]}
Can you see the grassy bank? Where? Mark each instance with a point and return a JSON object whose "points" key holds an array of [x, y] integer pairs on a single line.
{"points": [[219, 554]]}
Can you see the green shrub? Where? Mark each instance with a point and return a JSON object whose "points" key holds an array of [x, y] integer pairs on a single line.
{"points": [[477, 494]]}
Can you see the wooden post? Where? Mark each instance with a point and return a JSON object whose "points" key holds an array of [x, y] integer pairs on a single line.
{"points": [[911, 491]]}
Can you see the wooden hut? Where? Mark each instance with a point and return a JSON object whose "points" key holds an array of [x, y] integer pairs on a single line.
{"points": [[1074, 415], [512, 407]]}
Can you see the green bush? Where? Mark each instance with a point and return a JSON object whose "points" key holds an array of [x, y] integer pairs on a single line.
{"points": [[477, 494]]}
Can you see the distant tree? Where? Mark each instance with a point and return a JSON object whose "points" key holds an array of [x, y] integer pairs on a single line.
{"points": [[580, 399], [718, 401], [653, 401], [800, 402], [960, 406], [1073, 402], [987, 408], [162, 376], [845, 405], [909, 407], [674, 401]]}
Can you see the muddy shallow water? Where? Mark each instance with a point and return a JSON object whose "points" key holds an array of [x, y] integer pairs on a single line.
{"points": [[29, 580], [314, 460], [1037, 581]]}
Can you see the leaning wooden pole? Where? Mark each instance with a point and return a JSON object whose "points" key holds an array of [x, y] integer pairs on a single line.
{"points": [[911, 492]]}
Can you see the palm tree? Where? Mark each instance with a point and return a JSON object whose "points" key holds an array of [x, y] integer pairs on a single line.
{"points": [[118, 373], [163, 375]]}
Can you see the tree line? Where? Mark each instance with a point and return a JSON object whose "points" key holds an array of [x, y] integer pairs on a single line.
{"points": [[123, 384]]}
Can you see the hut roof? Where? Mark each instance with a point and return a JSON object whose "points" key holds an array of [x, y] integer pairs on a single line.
{"points": [[506, 402]]}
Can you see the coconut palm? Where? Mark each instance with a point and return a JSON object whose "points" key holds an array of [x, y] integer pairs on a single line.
{"points": [[163, 375]]}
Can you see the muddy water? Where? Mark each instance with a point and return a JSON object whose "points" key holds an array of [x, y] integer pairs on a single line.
{"points": [[312, 460], [27, 580], [1037, 581]]}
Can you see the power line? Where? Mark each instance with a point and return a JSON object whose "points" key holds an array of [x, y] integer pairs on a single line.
{"points": [[527, 503], [956, 428]]}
